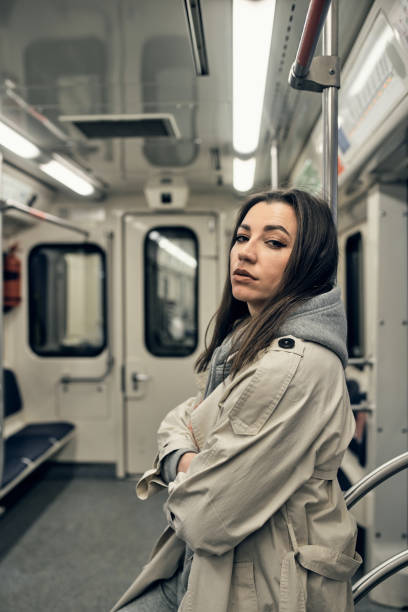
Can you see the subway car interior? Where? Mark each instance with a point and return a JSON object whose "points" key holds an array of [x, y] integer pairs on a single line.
{"points": [[130, 134]]}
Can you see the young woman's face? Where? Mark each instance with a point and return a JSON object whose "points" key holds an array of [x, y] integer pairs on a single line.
{"points": [[264, 242]]}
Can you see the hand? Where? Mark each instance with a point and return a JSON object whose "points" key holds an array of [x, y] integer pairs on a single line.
{"points": [[184, 462]]}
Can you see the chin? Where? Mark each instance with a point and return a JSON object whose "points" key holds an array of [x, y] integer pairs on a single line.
{"points": [[241, 294]]}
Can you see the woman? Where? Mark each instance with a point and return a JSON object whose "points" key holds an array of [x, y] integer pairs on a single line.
{"points": [[257, 521]]}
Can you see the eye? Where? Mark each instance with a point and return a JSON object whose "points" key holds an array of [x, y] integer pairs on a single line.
{"points": [[241, 238], [275, 244]]}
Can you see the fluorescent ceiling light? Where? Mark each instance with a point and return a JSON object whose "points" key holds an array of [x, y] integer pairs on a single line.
{"points": [[251, 33], [68, 177], [243, 171], [17, 143]]}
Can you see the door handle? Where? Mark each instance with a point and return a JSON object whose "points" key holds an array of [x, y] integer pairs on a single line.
{"points": [[138, 378]]}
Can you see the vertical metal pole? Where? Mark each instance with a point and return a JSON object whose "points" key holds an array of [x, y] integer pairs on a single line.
{"points": [[274, 165], [330, 114], [2, 451]]}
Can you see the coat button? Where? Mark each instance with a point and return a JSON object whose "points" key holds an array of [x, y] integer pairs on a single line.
{"points": [[286, 343]]}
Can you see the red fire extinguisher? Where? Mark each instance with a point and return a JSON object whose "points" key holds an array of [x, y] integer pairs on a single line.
{"points": [[11, 279]]}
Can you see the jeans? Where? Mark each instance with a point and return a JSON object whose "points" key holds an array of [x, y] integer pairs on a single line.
{"points": [[161, 597], [165, 595]]}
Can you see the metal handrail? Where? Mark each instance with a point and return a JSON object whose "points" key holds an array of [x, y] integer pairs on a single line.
{"points": [[41, 215], [322, 74], [314, 22], [392, 565], [374, 478], [379, 574]]}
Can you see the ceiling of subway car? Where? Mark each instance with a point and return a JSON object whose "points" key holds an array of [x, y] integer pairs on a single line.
{"points": [[64, 58]]}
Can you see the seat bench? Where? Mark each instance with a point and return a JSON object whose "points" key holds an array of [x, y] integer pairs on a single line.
{"points": [[32, 444]]}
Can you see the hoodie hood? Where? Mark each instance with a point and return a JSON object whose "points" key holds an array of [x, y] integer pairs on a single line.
{"points": [[321, 319]]}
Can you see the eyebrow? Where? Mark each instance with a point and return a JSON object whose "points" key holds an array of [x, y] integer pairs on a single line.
{"points": [[267, 228]]}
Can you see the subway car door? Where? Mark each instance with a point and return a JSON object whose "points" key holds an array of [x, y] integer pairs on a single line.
{"points": [[170, 293]]}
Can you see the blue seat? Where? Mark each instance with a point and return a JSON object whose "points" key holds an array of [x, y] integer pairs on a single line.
{"points": [[12, 468], [56, 431], [28, 448]]}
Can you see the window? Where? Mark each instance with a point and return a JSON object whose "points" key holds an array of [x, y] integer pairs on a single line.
{"points": [[355, 295], [171, 282], [67, 300]]}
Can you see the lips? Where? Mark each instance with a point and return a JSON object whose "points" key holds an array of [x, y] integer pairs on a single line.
{"points": [[242, 272]]}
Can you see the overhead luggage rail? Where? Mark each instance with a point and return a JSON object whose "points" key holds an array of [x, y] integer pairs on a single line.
{"points": [[39, 214], [374, 478]]}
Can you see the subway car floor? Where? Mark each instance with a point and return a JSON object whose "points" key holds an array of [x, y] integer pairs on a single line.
{"points": [[72, 538]]}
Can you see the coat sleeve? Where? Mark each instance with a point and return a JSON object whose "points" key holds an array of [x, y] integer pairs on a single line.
{"points": [[262, 449], [173, 434]]}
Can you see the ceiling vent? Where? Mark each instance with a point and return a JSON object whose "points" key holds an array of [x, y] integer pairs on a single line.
{"points": [[124, 126]]}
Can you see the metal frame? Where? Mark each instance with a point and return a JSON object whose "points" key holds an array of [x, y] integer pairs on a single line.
{"points": [[66, 380], [196, 31], [379, 574], [330, 111], [396, 563], [374, 478], [314, 21], [322, 74]]}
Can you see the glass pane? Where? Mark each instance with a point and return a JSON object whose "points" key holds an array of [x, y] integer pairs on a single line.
{"points": [[67, 300], [171, 275], [355, 296]]}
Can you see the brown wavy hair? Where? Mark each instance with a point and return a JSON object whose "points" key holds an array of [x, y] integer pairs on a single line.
{"points": [[311, 270]]}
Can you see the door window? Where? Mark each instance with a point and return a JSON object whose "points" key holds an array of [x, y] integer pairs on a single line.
{"points": [[171, 285], [67, 302]]}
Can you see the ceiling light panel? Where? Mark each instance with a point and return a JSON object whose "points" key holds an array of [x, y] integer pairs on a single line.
{"points": [[69, 177], [252, 33], [16, 143]]}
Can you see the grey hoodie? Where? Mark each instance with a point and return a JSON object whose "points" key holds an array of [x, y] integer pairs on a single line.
{"points": [[321, 319]]}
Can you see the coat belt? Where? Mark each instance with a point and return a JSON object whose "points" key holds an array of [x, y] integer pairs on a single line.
{"points": [[325, 561], [322, 560]]}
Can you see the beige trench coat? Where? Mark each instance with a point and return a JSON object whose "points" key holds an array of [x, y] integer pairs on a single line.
{"points": [[260, 504]]}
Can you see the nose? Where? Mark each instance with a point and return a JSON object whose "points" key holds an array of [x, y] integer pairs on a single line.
{"points": [[247, 251]]}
